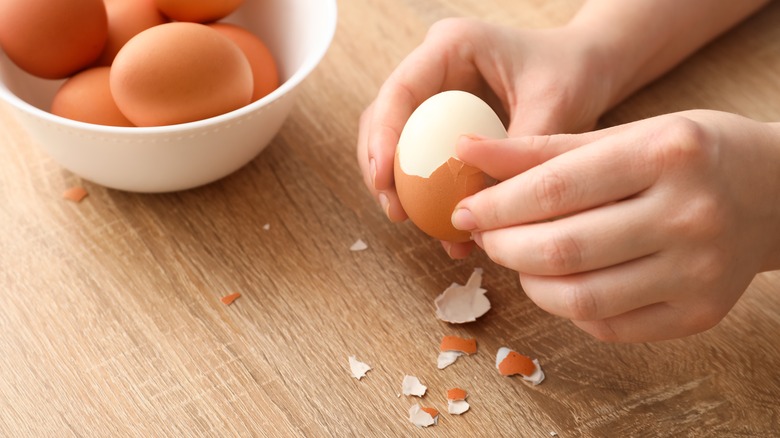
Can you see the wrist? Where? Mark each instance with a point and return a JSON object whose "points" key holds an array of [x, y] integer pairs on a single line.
{"points": [[606, 68]]}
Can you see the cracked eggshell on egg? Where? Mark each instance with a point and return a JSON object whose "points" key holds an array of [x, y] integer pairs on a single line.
{"points": [[429, 178]]}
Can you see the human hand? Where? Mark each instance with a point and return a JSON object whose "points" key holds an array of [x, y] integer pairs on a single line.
{"points": [[542, 81], [640, 232]]}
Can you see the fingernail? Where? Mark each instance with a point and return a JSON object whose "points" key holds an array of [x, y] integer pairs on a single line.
{"points": [[385, 203], [463, 219], [372, 171], [477, 238]]}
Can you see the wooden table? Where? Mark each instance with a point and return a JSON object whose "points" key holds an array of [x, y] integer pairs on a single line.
{"points": [[111, 322]]}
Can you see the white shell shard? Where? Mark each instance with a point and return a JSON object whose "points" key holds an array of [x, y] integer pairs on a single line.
{"points": [[538, 376], [430, 134], [412, 386], [459, 304], [267, 227], [535, 378], [501, 354], [457, 407], [358, 368], [447, 358], [359, 245], [420, 418]]}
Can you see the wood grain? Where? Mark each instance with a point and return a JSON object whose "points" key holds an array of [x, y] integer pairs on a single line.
{"points": [[111, 322]]}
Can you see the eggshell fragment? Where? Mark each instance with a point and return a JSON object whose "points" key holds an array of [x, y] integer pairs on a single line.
{"points": [[75, 194], [358, 368], [456, 343], [423, 416], [456, 401], [429, 178], [411, 386], [229, 299], [460, 304], [447, 358], [453, 347], [359, 245], [179, 72], [86, 97], [53, 39], [510, 363], [456, 394]]}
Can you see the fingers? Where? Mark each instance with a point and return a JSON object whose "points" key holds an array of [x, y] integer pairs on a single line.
{"points": [[656, 322], [387, 199], [603, 293], [458, 250], [594, 239], [587, 175], [505, 158], [419, 76]]}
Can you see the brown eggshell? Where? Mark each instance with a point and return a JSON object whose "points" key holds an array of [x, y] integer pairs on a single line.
{"points": [[178, 73], [264, 70], [126, 19], [198, 11], [53, 39], [86, 97], [430, 202]]}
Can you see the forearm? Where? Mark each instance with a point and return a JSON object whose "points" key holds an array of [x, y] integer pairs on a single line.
{"points": [[643, 39]]}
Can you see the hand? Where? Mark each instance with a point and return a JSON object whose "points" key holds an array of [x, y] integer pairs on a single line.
{"points": [[640, 232], [543, 81]]}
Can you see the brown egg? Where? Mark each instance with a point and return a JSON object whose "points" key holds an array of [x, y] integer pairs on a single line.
{"points": [[179, 72], [266, 76], [198, 11], [429, 179], [53, 39], [86, 97], [127, 18]]}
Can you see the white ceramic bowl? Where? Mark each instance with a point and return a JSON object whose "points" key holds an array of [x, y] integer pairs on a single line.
{"points": [[177, 157]]}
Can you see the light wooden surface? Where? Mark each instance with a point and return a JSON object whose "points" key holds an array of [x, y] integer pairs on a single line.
{"points": [[111, 323]]}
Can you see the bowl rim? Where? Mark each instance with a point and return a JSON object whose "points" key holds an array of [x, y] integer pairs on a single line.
{"points": [[309, 64]]}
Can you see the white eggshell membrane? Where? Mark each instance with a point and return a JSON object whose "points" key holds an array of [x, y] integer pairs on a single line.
{"points": [[429, 136]]}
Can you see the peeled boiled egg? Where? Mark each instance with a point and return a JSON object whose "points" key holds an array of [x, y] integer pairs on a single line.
{"points": [[198, 11], [179, 72], [53, 39], [126, 19], [266, 75], [86, 97], [429, 178]]}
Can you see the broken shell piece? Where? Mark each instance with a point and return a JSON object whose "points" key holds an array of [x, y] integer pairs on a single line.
{"points": [[75, 194], [453, 347], [456, 401], [423, 417], [459, 304], [228, 299], [359, 245], [447, 358], [358, 368], [412, 386], [267, 227], [510, 362], [456, 343], [457, 407], [456, 394]]}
